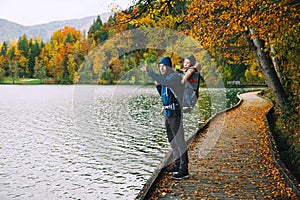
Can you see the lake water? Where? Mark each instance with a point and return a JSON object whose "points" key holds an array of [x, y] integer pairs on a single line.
{"points": [[83, 141]]}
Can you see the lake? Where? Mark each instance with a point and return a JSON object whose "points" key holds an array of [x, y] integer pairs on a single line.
{"points": [[85, 141]]}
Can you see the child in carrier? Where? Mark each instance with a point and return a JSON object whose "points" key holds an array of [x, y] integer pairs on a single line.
{"points": [[190, 77]]}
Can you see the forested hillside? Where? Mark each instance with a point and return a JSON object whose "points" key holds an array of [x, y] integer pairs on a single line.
{"points": [[12, 31]]}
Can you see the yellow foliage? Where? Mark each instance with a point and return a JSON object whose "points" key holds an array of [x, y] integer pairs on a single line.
{"points": [[222, 23]]}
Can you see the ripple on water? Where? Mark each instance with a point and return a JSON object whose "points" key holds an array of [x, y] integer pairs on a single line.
{"points": [[82, 142], [56, 151]]}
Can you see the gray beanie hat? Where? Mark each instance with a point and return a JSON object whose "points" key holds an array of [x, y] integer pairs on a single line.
{"points": [[192, 59]]}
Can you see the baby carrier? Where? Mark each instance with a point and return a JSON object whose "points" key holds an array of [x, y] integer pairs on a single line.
{"points": [[191, 92], [194, 82]]}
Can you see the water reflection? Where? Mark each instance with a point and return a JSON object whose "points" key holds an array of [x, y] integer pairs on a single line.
{"points": [[83, 142]]}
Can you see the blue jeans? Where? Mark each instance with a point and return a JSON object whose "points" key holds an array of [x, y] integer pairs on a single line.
{"points": [[188, 92]]}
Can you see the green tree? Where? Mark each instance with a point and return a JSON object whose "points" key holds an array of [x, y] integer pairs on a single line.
{"points": [[34, 51], [40, 69], [22, 56], [98, 32], [108, 75], [97, 24], [68, 39], [226, 73], [14, 70], [23, 45]]}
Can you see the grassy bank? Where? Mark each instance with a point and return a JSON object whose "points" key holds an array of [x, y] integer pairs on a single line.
{"points": [[27, 81], [286, 131]]}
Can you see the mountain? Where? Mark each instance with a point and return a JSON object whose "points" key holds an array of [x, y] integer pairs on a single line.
{"points": [[11, 31]]}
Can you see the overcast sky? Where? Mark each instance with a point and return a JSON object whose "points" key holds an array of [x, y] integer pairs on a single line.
{"points": [[33, 12]]}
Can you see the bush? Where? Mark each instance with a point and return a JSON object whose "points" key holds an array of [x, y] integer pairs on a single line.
{"points": [[285, 129]]}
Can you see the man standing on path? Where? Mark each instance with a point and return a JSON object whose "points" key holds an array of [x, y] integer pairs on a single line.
{"points": [[171, 90]]}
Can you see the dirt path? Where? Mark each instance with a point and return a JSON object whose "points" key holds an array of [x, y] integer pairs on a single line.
{"points": [[230, 159]]}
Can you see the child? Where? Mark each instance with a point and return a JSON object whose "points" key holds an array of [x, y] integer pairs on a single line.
{"points": [[191, 80]]}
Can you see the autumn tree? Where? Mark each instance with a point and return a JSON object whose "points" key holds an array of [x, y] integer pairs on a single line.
{"points": [[4, 71], [23, 65], [65, 54], [265, 32], [3, 49], [13, 65], [40, 69], [253, 74], [166, 15], [237, 29], [46, 55]]}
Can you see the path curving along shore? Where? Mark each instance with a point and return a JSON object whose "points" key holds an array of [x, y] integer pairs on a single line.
{"points": [[238, 164]]}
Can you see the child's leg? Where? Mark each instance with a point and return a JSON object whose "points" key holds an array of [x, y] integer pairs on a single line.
{"points": [[187, 97]]}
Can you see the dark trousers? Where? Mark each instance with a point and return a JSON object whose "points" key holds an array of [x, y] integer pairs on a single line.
{"points": [[175, 133]]}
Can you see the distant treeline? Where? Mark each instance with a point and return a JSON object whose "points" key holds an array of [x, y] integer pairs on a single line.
{"points": [[59, 60]]}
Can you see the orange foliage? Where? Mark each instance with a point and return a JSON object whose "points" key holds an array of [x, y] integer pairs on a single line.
{"points": [[224, 25]]}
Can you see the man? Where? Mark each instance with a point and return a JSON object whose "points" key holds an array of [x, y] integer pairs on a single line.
{"points": [[171, 90]]}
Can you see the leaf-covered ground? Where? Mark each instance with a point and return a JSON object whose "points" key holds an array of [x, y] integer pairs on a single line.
{"points": [[230, 159]]}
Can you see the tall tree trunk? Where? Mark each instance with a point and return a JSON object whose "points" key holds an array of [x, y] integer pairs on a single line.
{"points": [[273, 58], [266, 66]]}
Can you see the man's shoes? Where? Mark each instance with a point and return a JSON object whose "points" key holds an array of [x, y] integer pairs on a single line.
{"points": [[181, 175], [173, 170]]}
